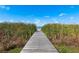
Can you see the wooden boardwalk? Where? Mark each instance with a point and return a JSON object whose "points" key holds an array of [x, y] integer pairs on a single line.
{"points": [[39, 43]]}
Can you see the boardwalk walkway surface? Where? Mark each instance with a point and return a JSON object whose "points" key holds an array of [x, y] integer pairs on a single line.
{"points": [[38, 43]]}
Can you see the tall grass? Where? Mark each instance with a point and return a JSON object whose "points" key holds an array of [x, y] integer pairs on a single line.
{"points": [[62, 34], [14, 35]]}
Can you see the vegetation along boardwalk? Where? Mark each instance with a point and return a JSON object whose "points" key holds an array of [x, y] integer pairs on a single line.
{"points": [[38, 43]]}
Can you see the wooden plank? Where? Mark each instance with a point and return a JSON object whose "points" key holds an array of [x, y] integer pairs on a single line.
{"points": [[39, 43]]}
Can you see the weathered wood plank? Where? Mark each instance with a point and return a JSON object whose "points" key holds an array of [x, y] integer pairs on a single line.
{"points": [[39, 43]]}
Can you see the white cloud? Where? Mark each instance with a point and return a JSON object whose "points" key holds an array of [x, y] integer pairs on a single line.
{"points": [[4, 7], [56, 21], [1, 21], [7, 8], [28, 21], [47, 16], [72, 18], [38, 22], [62, 14], [11, 20]]}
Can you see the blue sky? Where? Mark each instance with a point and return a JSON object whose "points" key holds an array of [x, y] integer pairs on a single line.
{"points": [[40, 14]]}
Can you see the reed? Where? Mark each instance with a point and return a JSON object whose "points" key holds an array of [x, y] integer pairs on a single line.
{"points": [[62, 34], [15, 35]]}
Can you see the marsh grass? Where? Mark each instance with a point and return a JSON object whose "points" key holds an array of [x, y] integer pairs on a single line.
{"points": [[15, 35], [65, 37]]}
